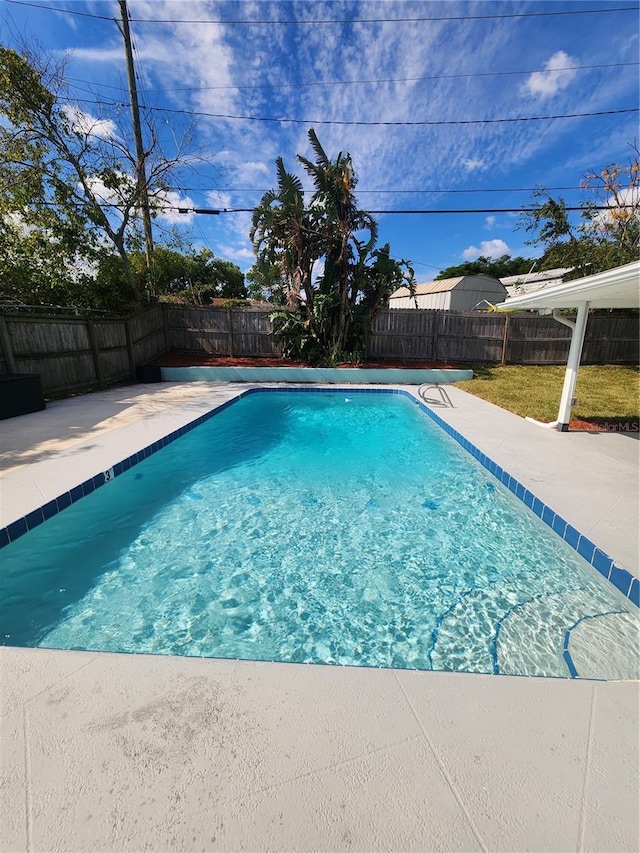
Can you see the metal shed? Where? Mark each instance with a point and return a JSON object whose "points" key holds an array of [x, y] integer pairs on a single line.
{"points": [[463, 293]]}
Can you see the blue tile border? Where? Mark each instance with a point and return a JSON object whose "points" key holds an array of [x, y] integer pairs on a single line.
{"points": [[622, 579]]}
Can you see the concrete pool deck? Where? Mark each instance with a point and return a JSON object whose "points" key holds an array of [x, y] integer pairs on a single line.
{"points": [[132, 752]]}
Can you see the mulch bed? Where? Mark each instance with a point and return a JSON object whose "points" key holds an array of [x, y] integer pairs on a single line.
{"points": [[198, 360]]}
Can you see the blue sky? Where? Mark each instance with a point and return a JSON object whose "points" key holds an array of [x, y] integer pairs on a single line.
{"points": [[264, 71]]}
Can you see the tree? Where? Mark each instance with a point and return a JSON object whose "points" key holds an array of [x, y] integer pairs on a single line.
{"points": [[68, 179], [265, 282], [499, 268], [603, 238], [196, 277], [283, 234], [332, 276]]}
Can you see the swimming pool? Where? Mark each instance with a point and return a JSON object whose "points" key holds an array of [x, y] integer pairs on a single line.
{"points": [[335, 527]]}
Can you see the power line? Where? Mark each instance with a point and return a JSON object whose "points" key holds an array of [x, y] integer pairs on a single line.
{"points": [[361, 82], [394, 192], [316, 21], [208, 211], [421, 123], [67, 11]]}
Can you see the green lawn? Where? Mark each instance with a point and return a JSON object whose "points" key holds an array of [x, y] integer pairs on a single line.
{"points": [[607, 392]]}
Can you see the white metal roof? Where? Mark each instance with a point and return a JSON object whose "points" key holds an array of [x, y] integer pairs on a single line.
{"points": [[540, 277], [616, 288], [425, 287], [443, 285]]}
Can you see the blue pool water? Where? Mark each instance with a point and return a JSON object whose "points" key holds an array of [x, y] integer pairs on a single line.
{"points": [[322, 528]]}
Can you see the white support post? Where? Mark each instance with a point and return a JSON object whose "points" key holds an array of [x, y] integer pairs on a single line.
{"points": [[573, 363]]}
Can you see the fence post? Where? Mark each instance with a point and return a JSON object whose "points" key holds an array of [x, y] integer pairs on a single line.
{"points": [[165, 324], [129, 340], [95, 352], [230, 327], [434, 339], [5, 343], [505, 340]]}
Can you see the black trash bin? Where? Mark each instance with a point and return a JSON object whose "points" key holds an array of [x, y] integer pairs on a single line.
{"points": [[148, 373], [20, 394]]}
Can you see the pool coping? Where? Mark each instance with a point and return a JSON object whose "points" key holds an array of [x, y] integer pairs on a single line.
{"points": [[623, 580]]}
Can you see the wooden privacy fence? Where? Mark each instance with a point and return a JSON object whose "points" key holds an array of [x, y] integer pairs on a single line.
{"points": [[504, 338], [71, 353], [220, 331]]}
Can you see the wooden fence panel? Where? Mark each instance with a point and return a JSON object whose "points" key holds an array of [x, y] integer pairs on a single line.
{"points": [[114, 365], [198, 330], [110, 335], [147, 335], [611, 339], [146, 323], [405, 334], [58, 349], [71, 353], [43, 335], [61, 373], [252, 333], [221, 331], [537, 340], [148, 349], [465, 336]]}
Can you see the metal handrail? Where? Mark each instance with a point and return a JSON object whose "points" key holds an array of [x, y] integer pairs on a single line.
{"points": [[445, 399]]}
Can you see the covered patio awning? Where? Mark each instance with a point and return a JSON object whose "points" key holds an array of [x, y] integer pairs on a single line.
{"points": [[616, 288]]}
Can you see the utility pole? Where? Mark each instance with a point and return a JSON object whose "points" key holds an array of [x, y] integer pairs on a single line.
{"points": [[143, 188]]}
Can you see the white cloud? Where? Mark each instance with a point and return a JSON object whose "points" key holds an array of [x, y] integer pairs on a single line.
{"points": [[86, 124], [628, 195], [473, 164], [110, 195], [248, 173], [165, 203], [488, 249], [489, 222], [98, 54], [544, 84], [218, 199], [233, 253], [169, 205]]}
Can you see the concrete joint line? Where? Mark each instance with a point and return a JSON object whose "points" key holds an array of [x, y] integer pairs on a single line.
{"points": [[56, 683], [318, 770], [443, 770], [27, 779], [37, 485], [609, 511], [587, 773]]}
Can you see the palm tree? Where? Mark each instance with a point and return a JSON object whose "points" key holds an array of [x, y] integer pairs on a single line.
{"points": [[331, 315], [339, 219], [282, 232]]}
